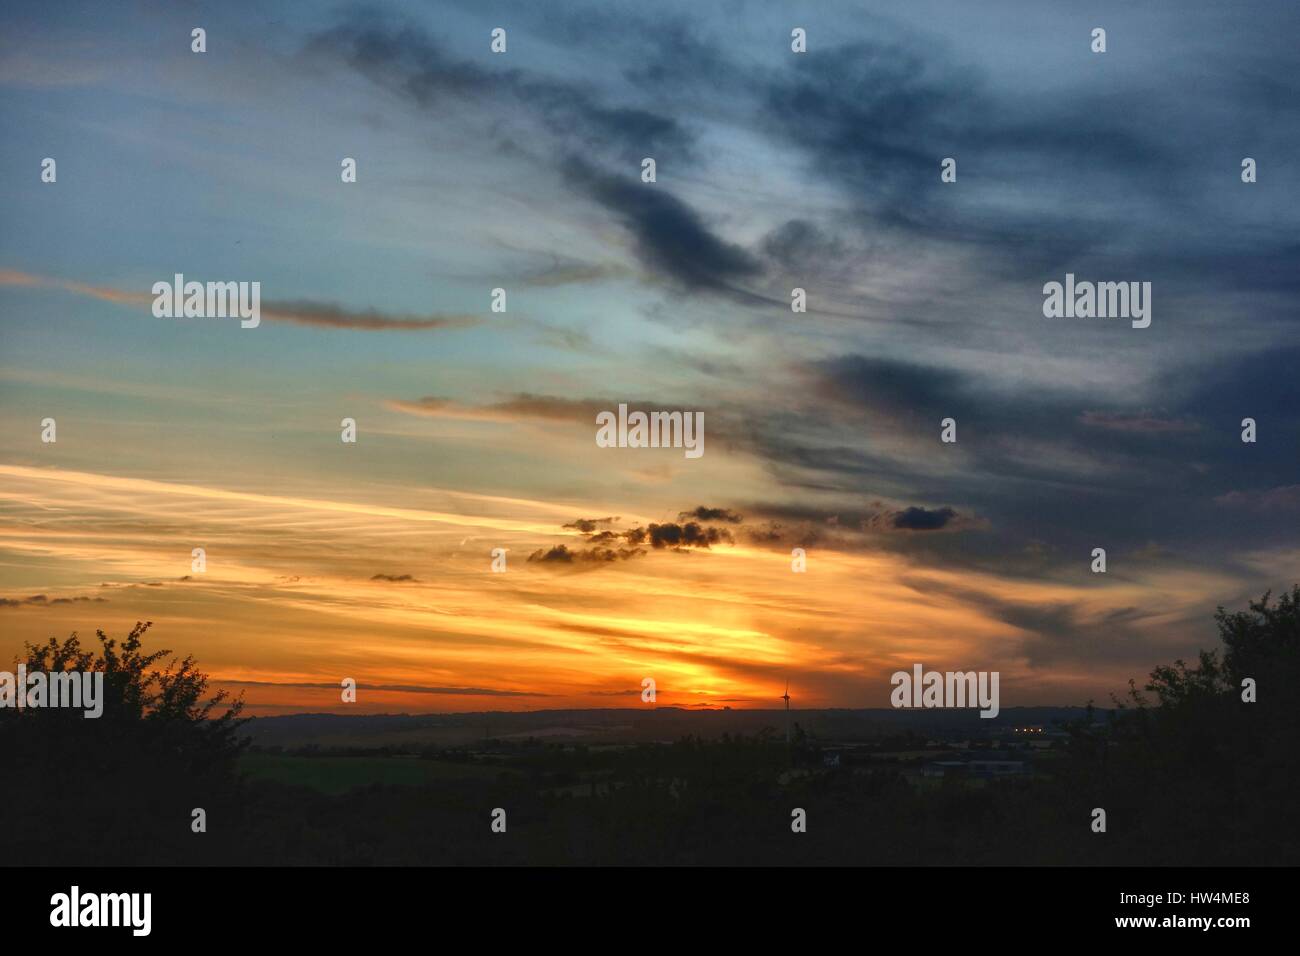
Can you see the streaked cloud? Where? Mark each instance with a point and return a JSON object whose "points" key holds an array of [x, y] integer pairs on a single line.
{"points": [[317, 314]]}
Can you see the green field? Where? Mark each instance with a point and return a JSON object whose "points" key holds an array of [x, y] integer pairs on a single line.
{"points": [[341, 774]]}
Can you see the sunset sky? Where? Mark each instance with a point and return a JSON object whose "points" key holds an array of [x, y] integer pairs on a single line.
{"points": [[476, 429]]}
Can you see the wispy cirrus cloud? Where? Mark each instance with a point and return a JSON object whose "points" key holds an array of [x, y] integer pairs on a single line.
{"points": [[299, 312], [1136, 422], [1282, 498], [522, 406]]}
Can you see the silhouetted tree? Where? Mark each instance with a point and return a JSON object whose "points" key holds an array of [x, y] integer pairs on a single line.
{"points": [[1202, 775], [125, 783]]}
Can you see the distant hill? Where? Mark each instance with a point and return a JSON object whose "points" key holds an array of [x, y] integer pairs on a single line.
{"points": [[633, 725]]}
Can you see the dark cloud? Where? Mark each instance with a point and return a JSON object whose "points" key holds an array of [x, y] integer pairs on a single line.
{"points": [[853, 529], [1087, 466], [671, 535], [407, 60], [558, 554], [1094, 172], [562, 554], [1103, 178], [876, 116], [43, 600], [893, 388], [589, 525], [671, 239], [593, 135], [395, 578], [606, 545], [923, 519], [703, 513]]}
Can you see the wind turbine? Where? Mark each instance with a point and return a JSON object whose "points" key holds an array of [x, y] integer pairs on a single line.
{"points": [[786, 697]]}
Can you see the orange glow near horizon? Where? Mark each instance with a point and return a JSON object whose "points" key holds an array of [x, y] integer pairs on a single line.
{"points": [[290, 597]]}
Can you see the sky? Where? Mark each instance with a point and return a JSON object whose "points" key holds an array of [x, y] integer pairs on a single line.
{"points": [[522, 171]]}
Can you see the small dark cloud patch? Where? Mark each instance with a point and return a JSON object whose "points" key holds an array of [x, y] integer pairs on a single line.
{"points": [[865, 528], [562, 554], [395, 578], [712, 514], [691, 534], [923, 519], [589, 525], [604, 545]]}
